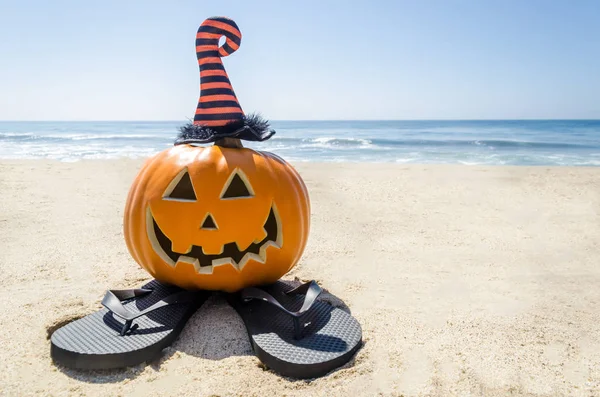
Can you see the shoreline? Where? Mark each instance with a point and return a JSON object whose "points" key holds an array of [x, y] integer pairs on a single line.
{"points": [[295, 163], [467, 280]]}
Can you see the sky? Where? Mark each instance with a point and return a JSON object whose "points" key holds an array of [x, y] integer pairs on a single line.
{"points": [[304, 60]]}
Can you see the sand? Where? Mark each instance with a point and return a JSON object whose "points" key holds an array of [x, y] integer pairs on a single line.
{"points": [[467, 280]]}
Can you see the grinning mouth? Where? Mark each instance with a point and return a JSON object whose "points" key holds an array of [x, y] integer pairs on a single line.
{"points": [[230, 252]]}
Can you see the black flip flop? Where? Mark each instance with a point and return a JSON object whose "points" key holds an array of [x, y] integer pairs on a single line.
{"points": [[293, 332], [134, 326]]}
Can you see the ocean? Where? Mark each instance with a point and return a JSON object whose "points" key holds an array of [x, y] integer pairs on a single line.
{"points": [[502, 142]]}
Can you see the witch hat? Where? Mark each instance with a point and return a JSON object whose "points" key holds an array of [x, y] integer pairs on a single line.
{"points": [[218, 113]]}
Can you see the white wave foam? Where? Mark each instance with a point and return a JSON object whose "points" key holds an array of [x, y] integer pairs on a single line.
{"points": [[341, 141], [77, 137], [113, 136], [9, 134], [72, 152]]}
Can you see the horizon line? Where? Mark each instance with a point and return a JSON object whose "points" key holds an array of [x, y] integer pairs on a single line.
{"points": [[298, 120]]}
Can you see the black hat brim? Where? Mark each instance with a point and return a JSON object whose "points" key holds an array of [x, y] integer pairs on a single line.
{"points": [[249, 128]]}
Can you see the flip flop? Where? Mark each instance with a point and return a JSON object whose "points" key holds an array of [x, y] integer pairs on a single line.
{"points": [[134, 326], [295, 333]]}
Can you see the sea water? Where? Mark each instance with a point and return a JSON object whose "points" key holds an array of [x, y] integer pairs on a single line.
{"points": [[502, 142]]}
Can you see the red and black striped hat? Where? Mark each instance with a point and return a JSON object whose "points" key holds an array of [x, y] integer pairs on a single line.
{"points": [[218, 113]]}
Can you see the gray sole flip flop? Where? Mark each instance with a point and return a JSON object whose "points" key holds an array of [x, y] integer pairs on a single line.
{"points": [[134, 326], [293, 332]]}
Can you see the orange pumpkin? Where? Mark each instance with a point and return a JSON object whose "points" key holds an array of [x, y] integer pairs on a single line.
{"points": [[216, 218]]}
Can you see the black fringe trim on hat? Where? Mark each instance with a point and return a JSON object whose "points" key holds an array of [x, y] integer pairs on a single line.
{"points": [[251, 128]]}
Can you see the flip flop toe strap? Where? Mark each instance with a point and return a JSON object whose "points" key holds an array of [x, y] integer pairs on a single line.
{"points": [[311, 291], [113, 298]]}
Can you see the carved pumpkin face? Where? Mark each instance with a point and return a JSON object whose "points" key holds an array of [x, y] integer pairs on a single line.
{"points": [[217, 218]]}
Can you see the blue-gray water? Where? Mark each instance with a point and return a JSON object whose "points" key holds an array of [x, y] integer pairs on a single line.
{"points": [[515, 142]]}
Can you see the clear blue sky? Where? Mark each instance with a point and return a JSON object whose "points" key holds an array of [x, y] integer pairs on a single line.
{"points": [[420, 59]]}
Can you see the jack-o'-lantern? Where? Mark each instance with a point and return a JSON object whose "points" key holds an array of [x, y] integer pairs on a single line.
{"points": [[220, 217]]}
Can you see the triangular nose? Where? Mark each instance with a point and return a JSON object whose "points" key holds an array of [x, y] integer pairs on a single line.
{"points": [[209, 223]]}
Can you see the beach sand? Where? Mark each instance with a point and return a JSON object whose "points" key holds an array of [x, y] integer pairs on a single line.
{"points": [[467, 280]]}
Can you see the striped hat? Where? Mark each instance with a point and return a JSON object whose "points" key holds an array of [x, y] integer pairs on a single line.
{"points": [[218, 113], [218, 104]]}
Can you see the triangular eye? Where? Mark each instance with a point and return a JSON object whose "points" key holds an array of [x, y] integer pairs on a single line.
{"points": [[238, 187], [181, 188]]}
